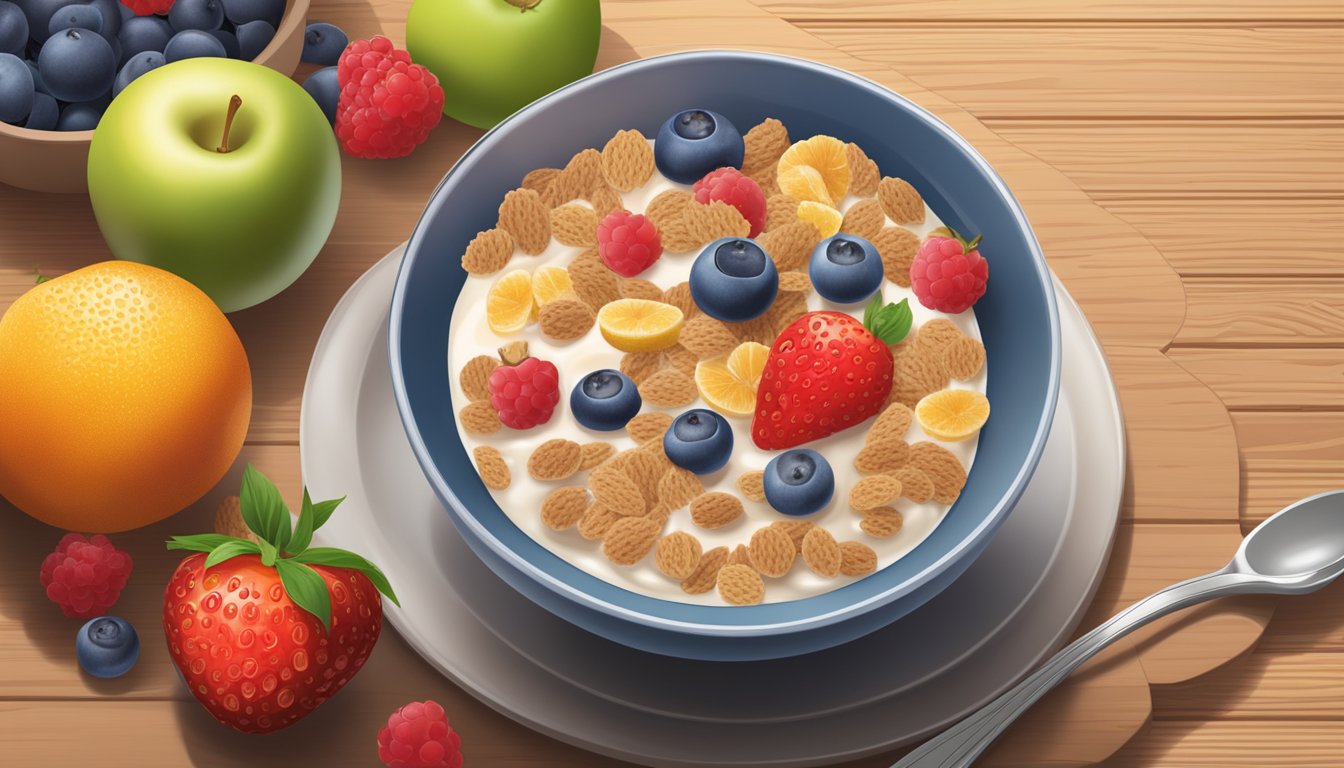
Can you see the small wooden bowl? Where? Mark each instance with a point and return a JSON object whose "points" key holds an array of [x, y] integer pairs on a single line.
{"points": [[56, 161]]}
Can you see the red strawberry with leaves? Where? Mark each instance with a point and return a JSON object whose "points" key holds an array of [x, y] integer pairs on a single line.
{"points": [[827, 372], [265, 631]]}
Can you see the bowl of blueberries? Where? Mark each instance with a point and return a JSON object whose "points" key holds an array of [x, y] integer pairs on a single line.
{"points": [[62, 62]]}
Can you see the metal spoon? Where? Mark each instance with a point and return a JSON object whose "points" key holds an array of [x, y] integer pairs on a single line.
{"points": [[1297, 551]]}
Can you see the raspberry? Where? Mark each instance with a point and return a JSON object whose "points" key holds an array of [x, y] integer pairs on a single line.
{"points": [[418, 736], [149, 7], [949, 274], [628, 243], [525, 394], [85, 576], [388, 105], [736, 189]]}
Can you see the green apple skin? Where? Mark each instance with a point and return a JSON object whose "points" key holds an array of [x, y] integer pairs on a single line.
{"points": [[493, 57], [241, 225]]}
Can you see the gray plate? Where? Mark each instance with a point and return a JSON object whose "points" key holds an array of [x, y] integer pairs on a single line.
{"points": [[1016, 604]]}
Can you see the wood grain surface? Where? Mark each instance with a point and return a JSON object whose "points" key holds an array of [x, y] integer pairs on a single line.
{"points": [[1205, 130]]}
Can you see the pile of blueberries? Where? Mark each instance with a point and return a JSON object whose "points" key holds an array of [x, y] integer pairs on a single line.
{"points": [[62, 63]]}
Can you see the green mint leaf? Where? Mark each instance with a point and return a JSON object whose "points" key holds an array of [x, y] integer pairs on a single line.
{"points": [[205, 542], [870, 311], [307, 589], [303, 529], [231, 549], [890, 323], [322, 511], [264, 509], [339, 558]]}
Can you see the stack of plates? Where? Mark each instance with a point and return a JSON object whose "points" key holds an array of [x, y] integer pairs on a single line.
{"points": [[1018, 602]]}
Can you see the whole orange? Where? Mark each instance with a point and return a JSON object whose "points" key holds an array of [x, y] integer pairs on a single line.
{"points": [[124, 396]]}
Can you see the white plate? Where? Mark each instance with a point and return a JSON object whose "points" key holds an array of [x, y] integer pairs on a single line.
{"points": [[1018, 602]]}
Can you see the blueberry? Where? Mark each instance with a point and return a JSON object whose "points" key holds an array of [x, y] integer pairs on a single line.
{"points": [[39, 13], [846, 269], [38, 84], [253, 37], [46, 112], [205, 15], [13, 29], [192, 44], [77, 65], [605, 400], [80, 117], [323, 43], [734, 280], [16, 89], [694, 142], [112, 18], [699, 440], [242, 11], [325, 90], [230, 41], [126, 13], [76, 17], [799, 482], [136, 66], [144, 33], [107, 646]]}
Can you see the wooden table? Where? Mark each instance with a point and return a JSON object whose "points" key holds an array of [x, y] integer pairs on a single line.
{"points": [[1206, 130]]}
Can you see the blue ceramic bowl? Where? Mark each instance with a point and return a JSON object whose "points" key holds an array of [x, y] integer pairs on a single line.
{"points": [[1017, 317]]}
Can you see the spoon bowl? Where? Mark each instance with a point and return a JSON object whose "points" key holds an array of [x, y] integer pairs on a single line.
{"points": [[1304, 540]]}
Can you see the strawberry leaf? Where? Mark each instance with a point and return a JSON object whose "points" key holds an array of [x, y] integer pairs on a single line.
{"points": [[890, 323], [307, 589], [322, 511], [303, 529], [269, 554], [231, 549], [205, 542], [339, 558], [263, 509]]}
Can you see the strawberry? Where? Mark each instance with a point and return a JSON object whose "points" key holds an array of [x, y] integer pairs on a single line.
{"points": [[265, 631], [827, 372]]}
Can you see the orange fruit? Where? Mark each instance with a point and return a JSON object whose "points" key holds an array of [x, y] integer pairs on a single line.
{"points": [[510, 304], [952, 414], [639, 325], [826, 219], [729, 384], [804, 182], [551, 283], [821, 161], [125, 397]]}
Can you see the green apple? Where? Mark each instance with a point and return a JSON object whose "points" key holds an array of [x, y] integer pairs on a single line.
{"points": [[493, 57], [235, 195]]}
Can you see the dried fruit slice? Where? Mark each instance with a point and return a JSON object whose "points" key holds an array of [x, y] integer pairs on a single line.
{"points": [[828, 157], [551, 283], [509, 305], [952, 414], [826, 219], [640, 325], [729, 385]]}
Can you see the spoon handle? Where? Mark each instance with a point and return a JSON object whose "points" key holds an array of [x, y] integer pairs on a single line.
{"points": [[959, 745]]}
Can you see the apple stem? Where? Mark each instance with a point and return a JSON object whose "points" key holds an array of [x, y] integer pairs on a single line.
{"points": [[524, 5], [234, 104]]}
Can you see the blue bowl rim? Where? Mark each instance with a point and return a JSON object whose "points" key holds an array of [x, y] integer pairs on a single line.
{"points": [[967, 545]]}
